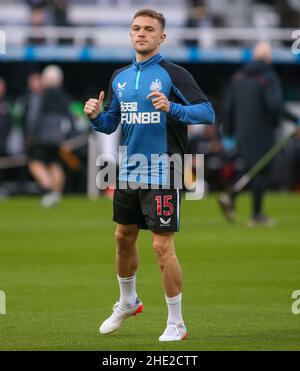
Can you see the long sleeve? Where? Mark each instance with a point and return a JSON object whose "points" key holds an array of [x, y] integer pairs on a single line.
{"points": [[201, 113], [191, 105]]}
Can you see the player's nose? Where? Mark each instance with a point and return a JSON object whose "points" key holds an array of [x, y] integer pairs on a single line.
{"points": [[141, 34]]}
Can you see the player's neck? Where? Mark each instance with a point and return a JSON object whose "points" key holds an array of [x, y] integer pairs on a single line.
{"points": [[144, 57]]}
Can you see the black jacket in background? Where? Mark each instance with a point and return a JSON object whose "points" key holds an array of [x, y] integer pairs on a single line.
{"points": [[5, 125], [54, 117], [252, 108], [54, 100]]}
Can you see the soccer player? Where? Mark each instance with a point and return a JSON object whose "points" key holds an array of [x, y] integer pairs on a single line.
{"points": [[154, 100]]}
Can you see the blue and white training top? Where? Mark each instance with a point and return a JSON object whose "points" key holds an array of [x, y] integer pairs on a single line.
{"points": [[148, 131]]}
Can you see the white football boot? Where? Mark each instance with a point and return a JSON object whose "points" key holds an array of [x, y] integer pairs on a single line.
{"points": [[51, 199], [114, 322], [174, 332]]}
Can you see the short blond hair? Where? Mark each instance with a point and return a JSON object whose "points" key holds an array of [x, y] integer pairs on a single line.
{"points": [[152, 14]]}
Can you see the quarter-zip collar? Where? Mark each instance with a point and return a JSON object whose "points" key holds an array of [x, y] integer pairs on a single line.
{"points": [[140, 66]]}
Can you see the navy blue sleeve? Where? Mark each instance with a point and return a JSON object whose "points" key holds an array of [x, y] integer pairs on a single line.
{"points": [[192, 106], [108, 120]]}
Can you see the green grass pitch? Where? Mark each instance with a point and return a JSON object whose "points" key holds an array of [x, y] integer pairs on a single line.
{"points": [[57, 270]]}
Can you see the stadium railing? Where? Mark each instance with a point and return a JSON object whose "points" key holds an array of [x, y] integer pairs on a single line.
{"points": [[113, 44], [118, 36]]}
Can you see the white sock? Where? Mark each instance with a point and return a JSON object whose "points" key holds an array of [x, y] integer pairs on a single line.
{"points": [[127, 290], [174, 309]]}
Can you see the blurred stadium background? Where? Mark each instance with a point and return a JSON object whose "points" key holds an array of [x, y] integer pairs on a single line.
{"points": [[56, 266], [89, 40]]}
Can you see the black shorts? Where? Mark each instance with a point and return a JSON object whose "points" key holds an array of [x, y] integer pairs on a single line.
{"points": [[45, 153], [154, 209]]}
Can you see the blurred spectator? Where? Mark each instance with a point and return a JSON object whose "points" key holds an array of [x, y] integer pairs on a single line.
{"points": [[5, 118], [252, 108], [30, 103], [76, 158], [45, 13], [37, 4], [204, 139], [54, 121], [297, 163], [60, 12], [199, 18], [5, 129], [288, 10], [37, 19]]}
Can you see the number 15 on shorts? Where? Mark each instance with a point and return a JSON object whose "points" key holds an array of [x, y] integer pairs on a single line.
{"points": [[167, 210]]}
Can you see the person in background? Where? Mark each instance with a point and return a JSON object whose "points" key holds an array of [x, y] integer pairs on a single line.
{"points": [[60, 12], [53, 121], [199, 18], [30, 103], [5, 129], [37, 4], [252, 108], [37, 19]]}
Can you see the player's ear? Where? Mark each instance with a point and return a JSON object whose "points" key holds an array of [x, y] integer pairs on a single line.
{"points": [[163, 37]]}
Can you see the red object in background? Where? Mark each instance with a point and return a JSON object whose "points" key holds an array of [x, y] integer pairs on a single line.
{"points": [[227, 171], [296, 188], [226, 175], [109, 192]]}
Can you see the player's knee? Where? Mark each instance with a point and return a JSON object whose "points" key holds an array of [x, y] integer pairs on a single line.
{"points": [[163, 249], [124, 240]]}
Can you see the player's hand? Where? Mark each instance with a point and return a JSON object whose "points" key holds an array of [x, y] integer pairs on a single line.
{"points": [[159, 101], [93, 107]]}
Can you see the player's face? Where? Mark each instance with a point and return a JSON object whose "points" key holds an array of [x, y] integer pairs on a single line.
{"points": [[146, 35]]}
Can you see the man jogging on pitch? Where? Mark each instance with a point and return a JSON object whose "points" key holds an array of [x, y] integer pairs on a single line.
{"points": [[154, 100]]}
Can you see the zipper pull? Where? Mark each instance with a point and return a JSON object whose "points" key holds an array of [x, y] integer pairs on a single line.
{"points": [[137, 78]]}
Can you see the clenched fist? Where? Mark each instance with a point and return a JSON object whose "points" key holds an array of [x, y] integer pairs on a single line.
{"points": [[93, 107]]}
